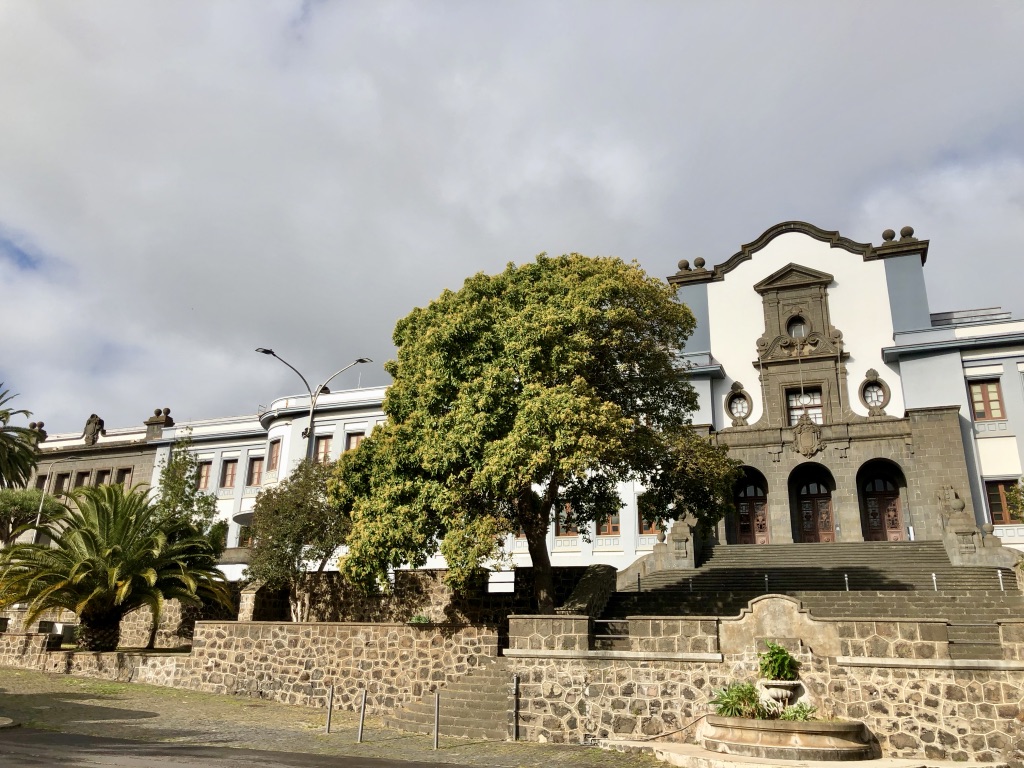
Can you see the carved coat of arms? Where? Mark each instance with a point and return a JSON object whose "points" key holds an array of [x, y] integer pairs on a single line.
{"points": [[807, 437]]}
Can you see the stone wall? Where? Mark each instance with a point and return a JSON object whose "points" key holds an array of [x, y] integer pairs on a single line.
{"points": [[290, 663], [895, 676]]}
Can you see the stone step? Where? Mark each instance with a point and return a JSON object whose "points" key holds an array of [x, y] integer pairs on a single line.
{"points": [[475, 706], [975, 651]]}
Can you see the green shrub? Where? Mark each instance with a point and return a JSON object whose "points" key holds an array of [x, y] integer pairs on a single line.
{"points": [[419, 618], [739, 700], [777, 663], [801, 712]]}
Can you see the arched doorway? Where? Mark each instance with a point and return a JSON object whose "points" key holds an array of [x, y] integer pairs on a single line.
{"points": [[878, 489], [750, 497], [811, 489]]}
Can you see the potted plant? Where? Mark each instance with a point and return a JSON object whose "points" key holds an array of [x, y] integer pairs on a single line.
{"points": [[779, 673]]}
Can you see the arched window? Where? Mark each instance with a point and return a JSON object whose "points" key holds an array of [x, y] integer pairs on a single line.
{"points": [[797, 327]]}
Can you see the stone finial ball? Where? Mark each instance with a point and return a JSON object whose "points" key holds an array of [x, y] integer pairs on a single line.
{"points": [[684, 265], [40, 425], [907, 232], [156, 411], [889, 235], [167, 411], [33, 425], [699, 263]]}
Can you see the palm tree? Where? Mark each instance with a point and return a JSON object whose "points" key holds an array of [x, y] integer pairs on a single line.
{"points": [[17, 446], [108, 557]]}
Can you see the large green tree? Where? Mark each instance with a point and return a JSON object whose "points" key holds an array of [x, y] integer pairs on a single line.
{"points": [[109, 557], [297, 528], [17, 445], [524, 394], [19, 508], [180, 506]]}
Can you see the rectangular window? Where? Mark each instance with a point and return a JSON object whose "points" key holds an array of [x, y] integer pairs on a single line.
{"points": [[807, 402], [353, 440], [986, 400], [41, 483], [646, 528], [61, 484], [322, 449], [564, 523], [609, 526], [997, 506], [204, 473], [102, 477], [124, 476], [228, 469], [244, 536], [273, 455], [254, 476], [81, 479]]}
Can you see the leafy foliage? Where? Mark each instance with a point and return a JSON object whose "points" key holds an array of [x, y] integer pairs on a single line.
{"points": [[18, 510], [109, 557], [801, 712], [519, 394], [777, 663], [1015, 501], [180, 506], [17, 445], [295, 523], [739, 700]]}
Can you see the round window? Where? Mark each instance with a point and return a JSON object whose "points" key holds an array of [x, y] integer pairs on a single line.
{"points": [[739, 406], [797, 327], [874, 395]]}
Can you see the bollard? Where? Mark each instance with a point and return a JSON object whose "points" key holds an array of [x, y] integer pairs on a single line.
{"points": [[935, 583], [846, 578], [330, 706], [515, 707], [1000, 572], [766, 582], [691, 585], [638, 582], [437, 715], [362, 717]]}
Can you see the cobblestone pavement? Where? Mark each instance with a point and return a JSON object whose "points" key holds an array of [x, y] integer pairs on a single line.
{"points": [[152, 714]]}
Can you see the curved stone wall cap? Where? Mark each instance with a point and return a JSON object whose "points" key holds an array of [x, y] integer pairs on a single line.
{"points": [[867, 251], [765, 601]]}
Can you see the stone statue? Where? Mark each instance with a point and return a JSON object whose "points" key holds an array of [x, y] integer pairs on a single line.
{"points": [[93, 429]]}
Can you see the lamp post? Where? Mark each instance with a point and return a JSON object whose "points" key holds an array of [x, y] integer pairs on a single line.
{"points": [[313, 393], [42, 498]]}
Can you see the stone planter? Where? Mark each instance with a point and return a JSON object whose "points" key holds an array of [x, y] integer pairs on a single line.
{"points": [[780, 691], [785, 740]]}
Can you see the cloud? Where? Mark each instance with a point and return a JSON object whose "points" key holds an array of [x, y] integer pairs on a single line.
{"points": [[201, 179]]}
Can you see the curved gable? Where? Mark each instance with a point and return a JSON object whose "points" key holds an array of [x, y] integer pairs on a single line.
{"points": [[867, 251]]}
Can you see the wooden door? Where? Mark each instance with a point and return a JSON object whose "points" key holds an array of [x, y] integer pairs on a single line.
{"points": [[883, 512], [751, 514], [816, 524]]}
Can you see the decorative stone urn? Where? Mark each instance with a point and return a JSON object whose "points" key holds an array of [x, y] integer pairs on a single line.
{"points": [[780, 691], [787, 740]]}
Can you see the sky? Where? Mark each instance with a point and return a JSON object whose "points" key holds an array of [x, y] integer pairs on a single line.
{"points": [[183, 182]]}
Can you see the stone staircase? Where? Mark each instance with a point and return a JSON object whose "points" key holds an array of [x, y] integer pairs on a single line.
{"points": [[874, 580], [476, 706]]}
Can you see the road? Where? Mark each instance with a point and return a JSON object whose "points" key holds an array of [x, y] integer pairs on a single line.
{"points": [[30, 748]]}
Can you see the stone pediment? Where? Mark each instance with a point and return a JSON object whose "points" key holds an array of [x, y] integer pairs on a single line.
{"points": [[793, 276]]}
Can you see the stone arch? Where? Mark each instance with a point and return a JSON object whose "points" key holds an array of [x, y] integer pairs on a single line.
{"points": [[811, 487], [882, 496], [748, 523]]}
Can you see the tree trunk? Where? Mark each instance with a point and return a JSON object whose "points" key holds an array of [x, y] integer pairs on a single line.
{"points": [[534, 519], [99, 635]]}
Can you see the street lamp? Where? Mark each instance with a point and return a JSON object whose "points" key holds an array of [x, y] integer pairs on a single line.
{"points": [[313, 393], [42, 498]]}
